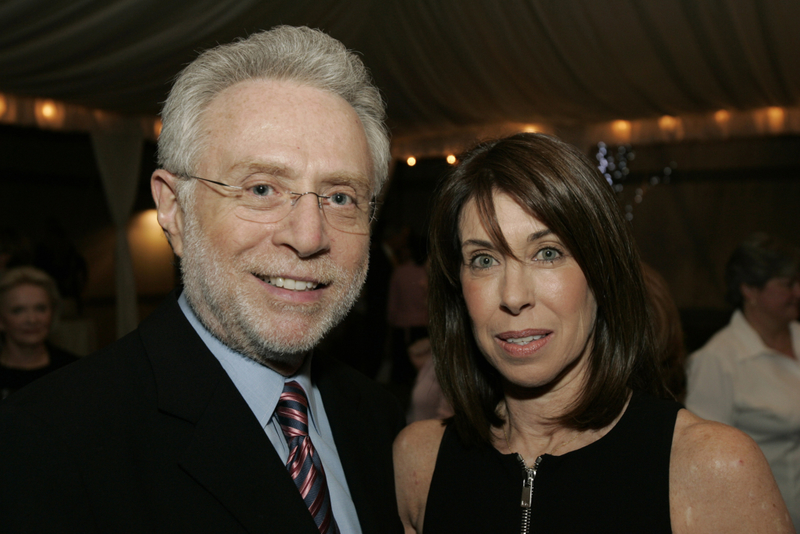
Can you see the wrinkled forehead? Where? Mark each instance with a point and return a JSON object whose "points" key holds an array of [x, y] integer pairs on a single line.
{"points": [[286, 126]]}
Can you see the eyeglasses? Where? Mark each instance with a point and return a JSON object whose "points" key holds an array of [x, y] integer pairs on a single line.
{"points": [[345, 206]]}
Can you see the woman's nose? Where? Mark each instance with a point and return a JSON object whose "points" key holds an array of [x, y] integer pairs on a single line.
{"points": [[517, 290]]}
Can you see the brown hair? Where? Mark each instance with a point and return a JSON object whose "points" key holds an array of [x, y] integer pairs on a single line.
{"points": [[667, 333], [555, 183]]}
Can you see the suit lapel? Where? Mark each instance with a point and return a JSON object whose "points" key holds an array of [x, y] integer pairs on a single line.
{"points": [[228, 452]]}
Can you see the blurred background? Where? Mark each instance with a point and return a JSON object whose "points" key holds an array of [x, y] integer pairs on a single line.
{"points": [[691, 109]]}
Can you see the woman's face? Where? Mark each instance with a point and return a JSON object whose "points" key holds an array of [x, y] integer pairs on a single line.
{"points": [[26, 315], [778, 300], [532, 317]]}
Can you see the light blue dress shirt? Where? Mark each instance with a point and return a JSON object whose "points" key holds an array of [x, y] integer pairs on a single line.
{"points": [[261, 388]]}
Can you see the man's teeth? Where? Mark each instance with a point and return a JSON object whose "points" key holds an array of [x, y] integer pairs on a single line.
{"points": [[288, 283], [524, 340]]}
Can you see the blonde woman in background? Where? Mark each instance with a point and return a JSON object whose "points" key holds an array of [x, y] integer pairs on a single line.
{"points": [[28, 302]]}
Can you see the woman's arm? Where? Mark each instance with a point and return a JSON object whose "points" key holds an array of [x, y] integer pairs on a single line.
{"points": [[415, 451], [721, 482]]}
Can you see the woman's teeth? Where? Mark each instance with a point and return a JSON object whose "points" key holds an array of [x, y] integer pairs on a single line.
{"points": [[288, 283], [524, 340]]}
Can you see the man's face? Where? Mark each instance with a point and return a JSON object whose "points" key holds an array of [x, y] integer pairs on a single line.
{"points": [[233, 266]]}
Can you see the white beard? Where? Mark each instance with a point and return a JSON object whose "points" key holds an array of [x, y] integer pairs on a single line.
{"points": [[273, 333]]}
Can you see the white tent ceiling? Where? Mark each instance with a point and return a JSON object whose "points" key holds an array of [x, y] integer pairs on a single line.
{"points": [[445, 66]]}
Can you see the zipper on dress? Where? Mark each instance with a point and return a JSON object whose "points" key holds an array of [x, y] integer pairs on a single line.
{"points": [[527, 492]]}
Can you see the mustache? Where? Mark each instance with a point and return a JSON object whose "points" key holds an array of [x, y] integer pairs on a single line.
{"points": [[320, 269]]}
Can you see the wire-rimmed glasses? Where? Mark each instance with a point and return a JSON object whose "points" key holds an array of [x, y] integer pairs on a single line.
{"points": [[345, 206]]}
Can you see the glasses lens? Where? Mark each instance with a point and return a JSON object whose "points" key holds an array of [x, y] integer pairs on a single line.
{"points": [[349, 215], [342, 211]]}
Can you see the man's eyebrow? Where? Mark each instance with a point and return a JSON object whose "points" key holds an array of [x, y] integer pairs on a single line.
{"points": [[265, 167], [280, 170]]}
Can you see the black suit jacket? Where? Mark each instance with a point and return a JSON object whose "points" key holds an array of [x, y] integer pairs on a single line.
{"points": [[151, 435]]}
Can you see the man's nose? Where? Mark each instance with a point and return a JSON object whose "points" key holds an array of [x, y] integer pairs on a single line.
{"points": [[304, 228]]}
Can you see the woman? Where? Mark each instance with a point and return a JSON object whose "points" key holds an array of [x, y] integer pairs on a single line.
{"points": [[557, 427], [28, 299], [748, 374]]}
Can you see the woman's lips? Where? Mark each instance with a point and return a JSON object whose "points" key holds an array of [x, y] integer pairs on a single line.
{"points": [[524, 342]]}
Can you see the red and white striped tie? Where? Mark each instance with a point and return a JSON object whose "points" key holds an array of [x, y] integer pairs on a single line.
{"points": [[304, 464]]}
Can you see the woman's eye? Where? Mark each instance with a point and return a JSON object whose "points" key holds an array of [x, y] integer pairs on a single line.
{"points": [[547, 254], [482, 261]]}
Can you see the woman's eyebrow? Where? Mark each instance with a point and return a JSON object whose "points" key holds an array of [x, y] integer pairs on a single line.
{"points": [[477, 243], [538, 235]]}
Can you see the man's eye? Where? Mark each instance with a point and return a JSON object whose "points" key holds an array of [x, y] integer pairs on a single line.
{"points": [[342, 199], [263, 190]]}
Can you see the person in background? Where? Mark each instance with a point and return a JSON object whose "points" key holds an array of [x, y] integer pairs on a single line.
{"points": [[29, 300], [407, 307], [668, 332], [748, 374], [427, 400], [218, 414], [544, 348]]}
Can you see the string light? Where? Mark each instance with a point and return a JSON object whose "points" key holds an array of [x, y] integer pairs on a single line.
{"points": [[451, 159], [668, 123], [722, 116], [775, 118], [49, 113], [615, 166], [411, 161]]}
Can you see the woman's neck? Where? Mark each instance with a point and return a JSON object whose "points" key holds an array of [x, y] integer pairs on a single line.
{"points": [[776, 336], [530, 428], [25, 357]]}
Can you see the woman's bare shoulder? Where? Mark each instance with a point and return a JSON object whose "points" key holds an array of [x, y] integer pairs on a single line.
{"points": [[721, 482], [415, 452]]}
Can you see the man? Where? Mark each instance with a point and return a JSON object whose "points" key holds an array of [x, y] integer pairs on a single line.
{"points": [[215, 416]]}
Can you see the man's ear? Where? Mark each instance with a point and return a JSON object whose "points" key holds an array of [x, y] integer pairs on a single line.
{"points": [[170, 215]]}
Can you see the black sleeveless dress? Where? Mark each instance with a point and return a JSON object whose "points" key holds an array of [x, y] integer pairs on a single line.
{"points": [[618, 484]]}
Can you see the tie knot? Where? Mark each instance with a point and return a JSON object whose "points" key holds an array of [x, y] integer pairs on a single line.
{"points": [[292, 410]]}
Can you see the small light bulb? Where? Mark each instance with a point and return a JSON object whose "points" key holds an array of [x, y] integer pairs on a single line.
{"points": [[451, 159], [49, 109], [411, 161]]}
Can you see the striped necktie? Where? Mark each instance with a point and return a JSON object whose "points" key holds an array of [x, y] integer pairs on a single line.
{"points": [[304, 464]]}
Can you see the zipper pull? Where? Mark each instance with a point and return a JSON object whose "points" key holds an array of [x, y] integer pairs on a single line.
{"points": [[527, 484]]}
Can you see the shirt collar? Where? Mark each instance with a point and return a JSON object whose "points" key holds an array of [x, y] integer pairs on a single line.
{"points": [[752, 342], [260, 386]]}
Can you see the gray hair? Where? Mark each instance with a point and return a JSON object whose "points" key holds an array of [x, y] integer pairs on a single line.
{"points": [[758, 259], [301, 55]]}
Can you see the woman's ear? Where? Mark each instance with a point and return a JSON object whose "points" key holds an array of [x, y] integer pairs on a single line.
{"points": [[749, 293], [170, 215]]}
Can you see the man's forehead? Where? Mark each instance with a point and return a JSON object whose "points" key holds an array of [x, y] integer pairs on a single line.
{"points": [[285, 129]]}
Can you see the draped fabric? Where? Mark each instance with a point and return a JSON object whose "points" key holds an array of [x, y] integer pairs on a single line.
{"points": [[444, 65], [454, 71], [118, 155]]}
